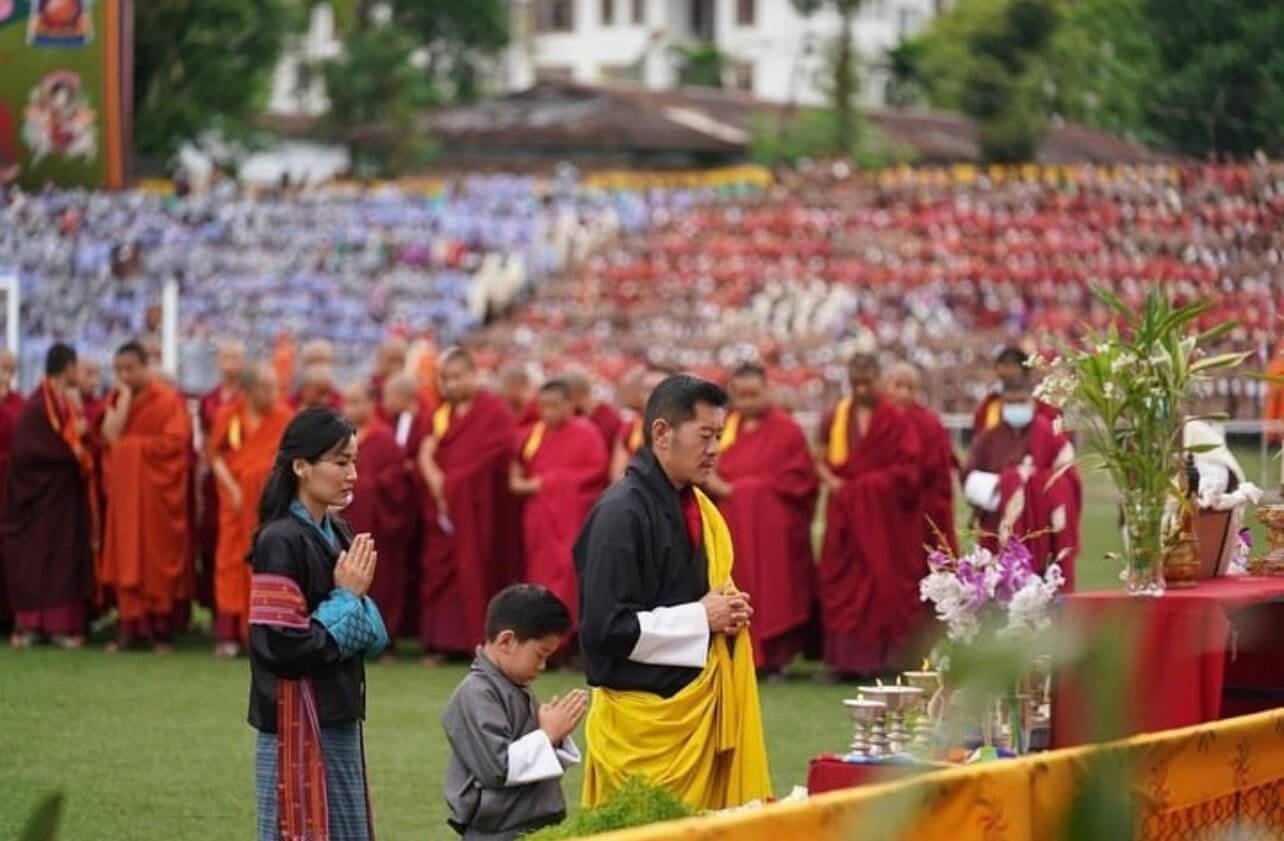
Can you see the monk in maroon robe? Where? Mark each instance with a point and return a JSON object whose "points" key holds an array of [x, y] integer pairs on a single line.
{"points": [[872, 559], [766, 487], [231, 367], [390, 360], [635, 389], [516, 388], [383, 506], [472, 528], [559, 469], [939, 463], [10, 405], [1011, 366], [603, 416], [46, 527], [316, 390], [1021, 481]]}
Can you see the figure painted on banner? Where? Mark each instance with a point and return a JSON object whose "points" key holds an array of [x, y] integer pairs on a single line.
{"points": [[940, 464], [59, 121], [1020, 479], [766, 488], [10, 166], [60, 23]]}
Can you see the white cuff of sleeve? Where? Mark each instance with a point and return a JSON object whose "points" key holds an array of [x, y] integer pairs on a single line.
{"points": [[673, 636], [531, 759], [568, 753], [982, 490]]}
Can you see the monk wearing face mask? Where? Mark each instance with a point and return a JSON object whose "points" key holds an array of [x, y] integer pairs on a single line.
{"points": [[1020, 481]]}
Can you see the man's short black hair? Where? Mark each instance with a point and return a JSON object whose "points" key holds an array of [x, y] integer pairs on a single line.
{"points": [[132, 348], [558, 386], [531, 612], [59, 358], [1012, 355], [675, 400], [749, 369]]}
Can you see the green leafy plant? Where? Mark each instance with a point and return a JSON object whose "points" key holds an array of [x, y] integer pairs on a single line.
{"points": [[1133, 384], [637, 803]]}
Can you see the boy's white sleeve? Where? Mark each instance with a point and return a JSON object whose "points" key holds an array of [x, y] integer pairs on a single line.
{"points": [[568, 753], [532, 758]]}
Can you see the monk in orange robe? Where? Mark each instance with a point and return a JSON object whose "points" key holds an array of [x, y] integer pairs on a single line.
{"points": [[560, 469], [146, 554], [766, 488], [231, 370], [939, 465], [241, 450], [472, 541], [872, 558]]}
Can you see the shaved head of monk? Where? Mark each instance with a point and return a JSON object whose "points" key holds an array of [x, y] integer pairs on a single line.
{"points": [[130, 364], [262, 390], [458, 376], [555, 406], [901, 382], [400, 393], [358, 404], [231, 362], [862, 376], [749, 393]]}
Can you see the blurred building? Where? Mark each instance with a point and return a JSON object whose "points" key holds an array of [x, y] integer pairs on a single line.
{"points": [[769, 49]]}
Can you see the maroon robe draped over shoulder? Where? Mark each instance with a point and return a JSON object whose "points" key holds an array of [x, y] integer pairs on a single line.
{"points": [[608, 423], [872, 559], [939, 467], [1043, 507], [45, 521], [571, 464], [10, 407], [769, 513], [464, 566], [384, 506]]}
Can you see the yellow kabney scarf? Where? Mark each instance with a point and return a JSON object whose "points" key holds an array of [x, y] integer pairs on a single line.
{"points": [[441, 421], [730, 431], [704, 744], [837, 451], [533, 441]]}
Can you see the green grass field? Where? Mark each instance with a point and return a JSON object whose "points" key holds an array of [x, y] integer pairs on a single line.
{"points": [[156, 748]]}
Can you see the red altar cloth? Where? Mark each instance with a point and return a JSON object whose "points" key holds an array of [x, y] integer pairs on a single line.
{"points": [[1184, 646], [830, 774]]}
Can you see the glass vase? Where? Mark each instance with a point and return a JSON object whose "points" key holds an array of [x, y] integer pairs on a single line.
{"points": [[1143, 513]]}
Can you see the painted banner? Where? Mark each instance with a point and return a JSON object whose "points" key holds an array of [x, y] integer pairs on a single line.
{"points": [[65, 92]]}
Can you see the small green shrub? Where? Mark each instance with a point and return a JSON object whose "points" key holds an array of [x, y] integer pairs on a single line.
{"points": [[637, 803]]}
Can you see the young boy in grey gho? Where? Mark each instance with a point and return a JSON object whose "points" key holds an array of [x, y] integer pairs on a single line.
{"points": [[507, 751]]}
